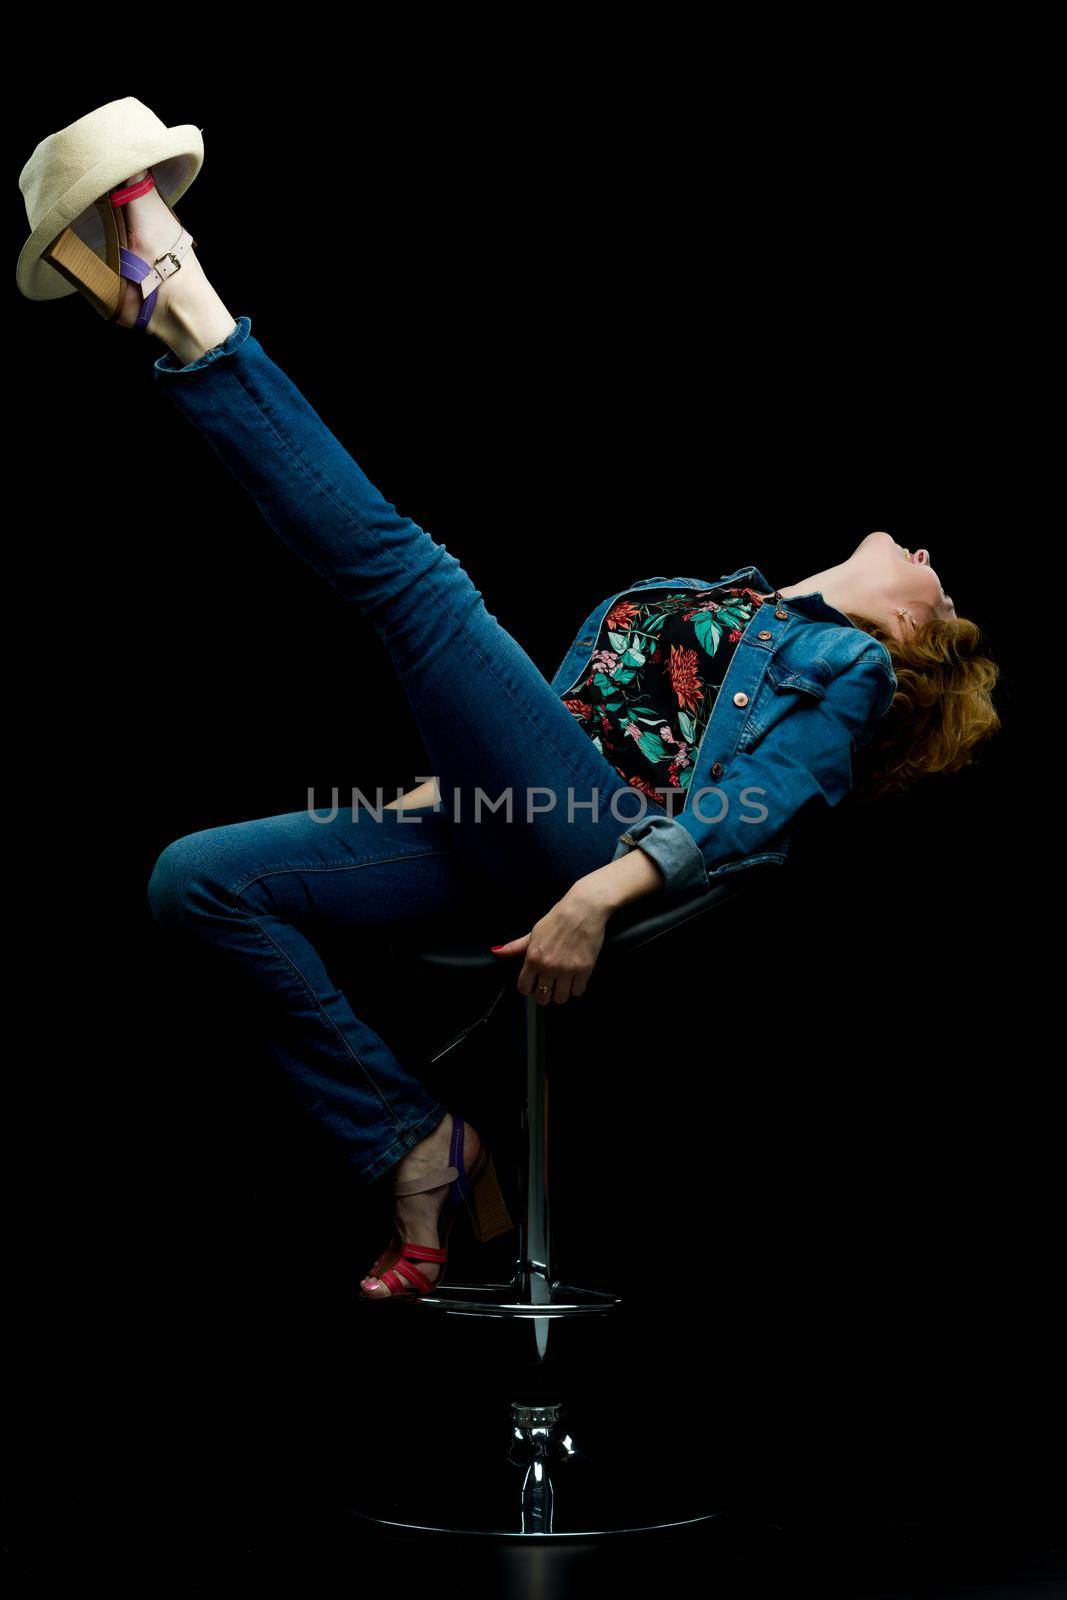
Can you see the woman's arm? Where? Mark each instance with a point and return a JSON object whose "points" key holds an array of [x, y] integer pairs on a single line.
{"points": [[618, 882], [561, 949]]}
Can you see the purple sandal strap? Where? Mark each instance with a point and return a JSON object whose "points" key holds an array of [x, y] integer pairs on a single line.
{"points": [[151, 275], [144, 316], [136, 269], [133, 267], [461, 1188]]}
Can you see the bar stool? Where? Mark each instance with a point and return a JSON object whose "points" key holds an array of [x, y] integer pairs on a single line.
{"points": [[539, 1441]]}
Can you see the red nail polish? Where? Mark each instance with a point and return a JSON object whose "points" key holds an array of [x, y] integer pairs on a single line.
{"points": [[496, 947]]}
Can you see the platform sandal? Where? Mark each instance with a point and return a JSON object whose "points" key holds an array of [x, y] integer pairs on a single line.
{"points": [[102, 280], [477, 1191]]}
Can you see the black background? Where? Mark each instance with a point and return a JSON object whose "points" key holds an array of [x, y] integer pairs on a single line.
{"points": [[584, 322]]}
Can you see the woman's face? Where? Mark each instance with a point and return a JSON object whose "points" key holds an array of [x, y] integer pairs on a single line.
{"points": [[901, 579]]}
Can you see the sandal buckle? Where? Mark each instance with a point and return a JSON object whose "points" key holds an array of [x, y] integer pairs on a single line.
{"points": [[168, 255]]}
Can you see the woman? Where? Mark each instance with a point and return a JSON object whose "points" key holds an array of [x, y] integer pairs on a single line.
{"points": [[867, 656]]}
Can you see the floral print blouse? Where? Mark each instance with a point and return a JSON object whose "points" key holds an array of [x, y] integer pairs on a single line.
{"points": [[652, 680]]}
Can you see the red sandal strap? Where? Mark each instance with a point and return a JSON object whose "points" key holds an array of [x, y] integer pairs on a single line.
{"points": [[133, 191], [404, 1269], [425, 1252], [412, 1273], [393, 1282]]}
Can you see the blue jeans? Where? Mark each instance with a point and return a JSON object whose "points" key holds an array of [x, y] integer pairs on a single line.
{"points": [[490, 722]]}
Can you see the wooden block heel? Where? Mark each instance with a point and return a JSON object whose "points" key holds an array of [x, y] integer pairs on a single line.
{"points": [[486, 1204], [97, 279]]}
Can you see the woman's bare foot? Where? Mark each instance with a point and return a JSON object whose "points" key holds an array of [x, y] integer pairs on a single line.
{"points": [[417, 1215], [188, 315]]}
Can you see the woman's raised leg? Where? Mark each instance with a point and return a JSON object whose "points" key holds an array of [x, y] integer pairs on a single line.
{"points": [[490, 721]]}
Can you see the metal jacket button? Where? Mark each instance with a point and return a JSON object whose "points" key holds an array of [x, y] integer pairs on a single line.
{"points": [[740, 698], [781, 615], [716, 769], [764, 633]]}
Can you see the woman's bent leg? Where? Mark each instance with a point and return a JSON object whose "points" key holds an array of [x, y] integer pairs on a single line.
{"points": [[257, 892], [490, 721]]}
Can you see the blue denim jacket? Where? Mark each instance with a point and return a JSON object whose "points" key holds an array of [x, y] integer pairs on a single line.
{"points": [[804, 689]]}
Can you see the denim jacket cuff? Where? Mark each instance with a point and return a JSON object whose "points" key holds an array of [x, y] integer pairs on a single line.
{"points": [[671, 847]]}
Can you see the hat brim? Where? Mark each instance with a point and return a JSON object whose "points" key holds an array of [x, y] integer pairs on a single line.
{"points": [[175, 156]]}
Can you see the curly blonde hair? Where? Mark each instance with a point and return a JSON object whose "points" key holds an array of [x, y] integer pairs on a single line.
{"points": [[942, 709]]}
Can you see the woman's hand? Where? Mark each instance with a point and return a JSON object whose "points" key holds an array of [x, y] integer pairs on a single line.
{"points": [[561, 949]]}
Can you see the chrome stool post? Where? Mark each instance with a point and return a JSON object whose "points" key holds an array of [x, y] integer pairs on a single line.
{"points": [[602, 1487]]}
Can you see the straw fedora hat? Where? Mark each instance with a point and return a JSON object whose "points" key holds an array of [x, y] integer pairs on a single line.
{"points": [[70, 170]]}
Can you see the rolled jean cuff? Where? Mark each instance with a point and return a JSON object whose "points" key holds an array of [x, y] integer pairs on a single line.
{"points": [[170, 365], [671, 847]]}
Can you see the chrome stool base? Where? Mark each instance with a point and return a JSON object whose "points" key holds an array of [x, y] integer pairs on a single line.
{"points": [[576, 1535], [535, 1481]]}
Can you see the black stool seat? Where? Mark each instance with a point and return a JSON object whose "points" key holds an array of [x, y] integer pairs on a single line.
{"points": [[629, 929]]}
